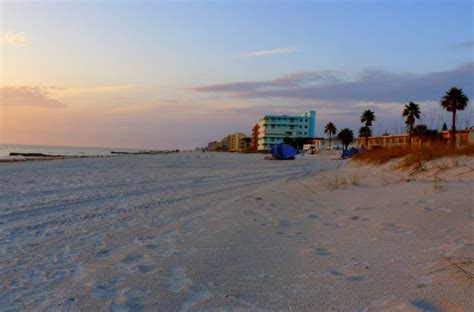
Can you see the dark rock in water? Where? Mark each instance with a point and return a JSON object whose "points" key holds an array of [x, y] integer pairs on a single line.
{"points": [[123, 153], [143, 152], [33, 155]]}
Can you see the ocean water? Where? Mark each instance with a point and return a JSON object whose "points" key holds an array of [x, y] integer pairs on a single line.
{"points": [[6, 149]]}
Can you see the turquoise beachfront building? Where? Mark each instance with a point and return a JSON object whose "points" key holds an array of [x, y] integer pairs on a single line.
{"points": [[273, 129]]}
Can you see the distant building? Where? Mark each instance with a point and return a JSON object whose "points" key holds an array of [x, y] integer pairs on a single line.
{"points": [[225, 143], [237, 142], [386, 140], [254, 142], [463, 137], [214, 146], [273, 129], [318, 144]]}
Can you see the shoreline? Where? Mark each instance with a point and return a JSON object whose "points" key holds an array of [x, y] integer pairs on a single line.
{"points": [[43, 157]]}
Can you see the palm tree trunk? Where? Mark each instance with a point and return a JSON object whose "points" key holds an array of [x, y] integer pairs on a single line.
{"points": [[410, 129], [367, 141], [329, 140], [453, 129]]}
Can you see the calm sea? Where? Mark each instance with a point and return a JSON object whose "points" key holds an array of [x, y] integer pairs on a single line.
{"points": [[6, 149]]}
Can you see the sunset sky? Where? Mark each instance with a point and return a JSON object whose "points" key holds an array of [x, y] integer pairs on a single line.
{"points": [[177, 74]]}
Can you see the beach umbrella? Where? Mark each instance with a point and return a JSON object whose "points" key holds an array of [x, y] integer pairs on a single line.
{"points": [[283, 151]]}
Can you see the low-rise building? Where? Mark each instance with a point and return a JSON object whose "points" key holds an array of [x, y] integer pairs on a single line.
{"points": [[324, 144], [273, 129], [214, 146], [463, 137]]}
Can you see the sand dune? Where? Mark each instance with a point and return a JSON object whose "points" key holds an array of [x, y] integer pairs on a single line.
{"points": [[216, 231]]}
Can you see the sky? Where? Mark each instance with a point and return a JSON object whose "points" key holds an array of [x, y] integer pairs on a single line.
{"points": [[177, 74]]}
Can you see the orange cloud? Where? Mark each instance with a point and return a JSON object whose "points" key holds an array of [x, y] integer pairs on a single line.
{"points": [[27, 96]]}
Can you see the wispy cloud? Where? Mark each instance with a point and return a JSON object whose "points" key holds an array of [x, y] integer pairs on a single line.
{"points": [[468, 44], [27, 96], [268, 52], [115, 90], [168, 101], [16, 38], [369, 86]]}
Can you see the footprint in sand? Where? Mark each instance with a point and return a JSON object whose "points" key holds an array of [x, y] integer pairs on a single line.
{"points": [[425, 305], [178, 280], [354, 278], [335, 272], [152, 246], [316, 251], [390, 303], [145, 268], [106, 289], [284, 223], [392, 228], [322, 252], [332, 225], [347, 275], [102, 253], [131, 259], [128, 302], [445, 209]]}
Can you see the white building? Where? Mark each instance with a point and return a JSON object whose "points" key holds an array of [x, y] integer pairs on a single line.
{"points": [[273, 129]]}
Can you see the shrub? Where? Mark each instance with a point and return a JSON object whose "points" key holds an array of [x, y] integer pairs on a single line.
{"points": [[412, 155]]}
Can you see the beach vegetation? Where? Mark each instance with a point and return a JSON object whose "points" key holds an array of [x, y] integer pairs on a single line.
{"points": [[411, 111], [354, 179], [367, 118], [411, 156], [346, 136], [330, 129], [454, 100], [337, 182], [365, 132], [334, 183]]}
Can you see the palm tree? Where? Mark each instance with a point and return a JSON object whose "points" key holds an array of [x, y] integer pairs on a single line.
{"points": [[367, 118], [346, 136], [454, 100], [330, 130], [411, 111], [364, 132]]}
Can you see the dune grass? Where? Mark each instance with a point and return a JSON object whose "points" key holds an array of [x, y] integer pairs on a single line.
{"points": [[412, 156]]}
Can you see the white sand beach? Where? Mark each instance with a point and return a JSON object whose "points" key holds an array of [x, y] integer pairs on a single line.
{"points": [[220, 231]]}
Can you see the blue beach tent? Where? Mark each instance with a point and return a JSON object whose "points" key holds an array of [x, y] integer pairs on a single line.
{"points": [[349, 152], [284, 152]]}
